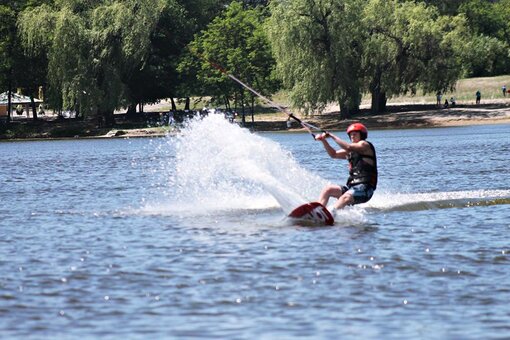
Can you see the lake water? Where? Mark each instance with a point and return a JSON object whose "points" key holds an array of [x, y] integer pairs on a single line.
{"points": [[186, 237]]}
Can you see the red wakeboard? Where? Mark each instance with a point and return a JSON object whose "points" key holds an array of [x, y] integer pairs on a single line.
{"points": [[313, 212]]}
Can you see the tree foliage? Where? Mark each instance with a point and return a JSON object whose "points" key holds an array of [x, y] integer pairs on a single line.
{"points": [[236, 41], [410, 46], [445, 7], [179, 21], [18, 70], [489, 52], [93, 48], [333, 51], [97, 55], [7, 24], [317, 45]]}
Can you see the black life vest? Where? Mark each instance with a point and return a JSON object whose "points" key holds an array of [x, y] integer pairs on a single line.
{"points": [[360, 171]]}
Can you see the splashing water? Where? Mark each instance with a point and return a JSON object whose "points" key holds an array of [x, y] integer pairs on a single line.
{"points": [[216, 167], [219, 166]]}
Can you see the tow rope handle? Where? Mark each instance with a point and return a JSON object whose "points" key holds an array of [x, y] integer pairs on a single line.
{"points": [[307, 126]]}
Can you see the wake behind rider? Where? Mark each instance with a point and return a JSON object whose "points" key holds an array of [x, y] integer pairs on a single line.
{"points": [[362, 180]]}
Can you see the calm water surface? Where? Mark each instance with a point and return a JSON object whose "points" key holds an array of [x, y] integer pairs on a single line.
{"points": [[187, 237]]}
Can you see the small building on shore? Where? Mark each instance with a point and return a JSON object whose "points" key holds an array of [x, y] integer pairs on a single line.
{"points": [[20, 105]]}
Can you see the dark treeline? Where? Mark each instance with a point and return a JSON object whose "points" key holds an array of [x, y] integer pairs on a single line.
{"points": [[94, 57]]}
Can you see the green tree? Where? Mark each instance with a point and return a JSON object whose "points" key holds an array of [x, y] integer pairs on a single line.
{"points": [[409, 46], [93, 48], [486, 56], [159, 77], [446, 7], [254, 3], [488, 53], [317, 45], [334, 51], [7, 38], [482, 16], [236, 41], [18, 70]]}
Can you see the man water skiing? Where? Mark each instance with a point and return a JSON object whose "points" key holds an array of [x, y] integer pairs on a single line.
{"points": [[362, 180]]}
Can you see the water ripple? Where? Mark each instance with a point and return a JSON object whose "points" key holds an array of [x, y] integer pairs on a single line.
{"points": [[94, 245]]}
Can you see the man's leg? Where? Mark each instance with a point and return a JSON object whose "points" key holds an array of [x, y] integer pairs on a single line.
{"points": [[328, 192], [356, 194], [344, 200]]}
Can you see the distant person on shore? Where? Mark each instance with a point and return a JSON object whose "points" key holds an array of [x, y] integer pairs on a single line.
{"points": [[438, 98], [445, 105], [41, 110], [503, 88], [362, 180], [289, 123], [171, 119], [478, 96], [452, 101]]}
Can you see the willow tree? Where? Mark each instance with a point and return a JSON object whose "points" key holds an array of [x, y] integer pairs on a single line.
{"points": [[93, 47], [330, 50], [317, 48], [409, 46]]}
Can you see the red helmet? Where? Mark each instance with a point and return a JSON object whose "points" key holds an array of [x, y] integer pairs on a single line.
{"points": [[358, 127]]}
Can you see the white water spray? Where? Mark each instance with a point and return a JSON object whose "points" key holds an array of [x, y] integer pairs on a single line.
{"points": [[215, 166], [219, 166], [424, 201]]}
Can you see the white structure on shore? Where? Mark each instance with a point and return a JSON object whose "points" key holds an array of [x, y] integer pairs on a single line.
{"points": [[20, 104]]}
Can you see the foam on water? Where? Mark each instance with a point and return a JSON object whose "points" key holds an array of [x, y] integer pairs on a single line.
{"points": [[437, 200], [219, 166]]}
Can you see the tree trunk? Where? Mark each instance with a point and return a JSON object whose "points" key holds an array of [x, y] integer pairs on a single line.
{"points": [[252, 110], [131, 111], [345, 113], [226, 102], [34, 110], [174, 107], [186, 106], [9, 101], [349, 103], [382, 101], [378, 104], [108, 118], [376, 101], [243, 117]]}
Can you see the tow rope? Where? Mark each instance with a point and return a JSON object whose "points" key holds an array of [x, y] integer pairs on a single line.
{"points": [[307, 126]]}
